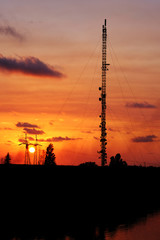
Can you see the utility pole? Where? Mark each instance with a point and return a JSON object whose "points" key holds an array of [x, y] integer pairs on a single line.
{"points": [[27, 157], [36, 161], [103, 138]]}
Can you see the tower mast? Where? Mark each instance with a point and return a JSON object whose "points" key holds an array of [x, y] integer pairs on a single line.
{"points": [[35, 153], [103, 138], [26, 143]]}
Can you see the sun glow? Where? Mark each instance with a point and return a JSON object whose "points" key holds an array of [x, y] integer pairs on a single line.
{"points": [[31, 149]]}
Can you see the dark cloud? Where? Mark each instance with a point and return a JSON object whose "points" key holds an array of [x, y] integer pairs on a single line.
{"points": [[28, 65], [140, 105], [10, 31], [58, 139], [30, 129], [26, 124], [149, 138], [33, 131]]}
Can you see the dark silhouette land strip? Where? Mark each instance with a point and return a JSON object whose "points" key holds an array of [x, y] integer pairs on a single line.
{"points": [[55, 200]]}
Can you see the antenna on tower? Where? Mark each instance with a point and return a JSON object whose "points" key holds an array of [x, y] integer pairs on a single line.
{"points": [[103, 137], [26, 143]]}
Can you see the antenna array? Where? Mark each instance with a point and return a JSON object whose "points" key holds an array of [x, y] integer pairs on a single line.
{"points": [[103, 138]]}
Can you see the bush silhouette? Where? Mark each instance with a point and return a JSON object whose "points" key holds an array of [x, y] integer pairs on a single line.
{"points": [[117, 161], [88, 164]]}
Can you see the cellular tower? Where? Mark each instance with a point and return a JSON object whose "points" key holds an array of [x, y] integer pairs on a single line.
{"points": [[103, 137]]}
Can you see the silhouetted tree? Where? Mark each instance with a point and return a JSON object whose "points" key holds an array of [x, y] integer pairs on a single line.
{"points": [[117, 161], [50, 156], [7, 159], [2, 160]]}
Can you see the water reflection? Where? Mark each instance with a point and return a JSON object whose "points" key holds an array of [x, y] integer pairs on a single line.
{"points": [[142, 228]]}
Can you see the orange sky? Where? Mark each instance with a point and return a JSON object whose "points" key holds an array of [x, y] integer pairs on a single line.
{"points": [[50, 72]]}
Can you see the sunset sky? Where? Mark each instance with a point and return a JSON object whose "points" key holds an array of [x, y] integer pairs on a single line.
{"points": [[50, 72]]}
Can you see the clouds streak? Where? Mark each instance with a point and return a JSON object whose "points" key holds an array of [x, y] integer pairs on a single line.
{"points": [[33, 131], [58, 139], [26, 124], [139, 105], [21, 140], [144, 139], [29, 66], [30, 128], [10, 31]]}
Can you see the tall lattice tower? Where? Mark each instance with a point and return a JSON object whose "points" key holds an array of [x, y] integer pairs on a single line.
{"points": [[36, 161], [26, 143], [103, 138]]}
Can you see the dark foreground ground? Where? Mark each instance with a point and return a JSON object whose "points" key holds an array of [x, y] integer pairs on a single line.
{"points": [[64, 200]]}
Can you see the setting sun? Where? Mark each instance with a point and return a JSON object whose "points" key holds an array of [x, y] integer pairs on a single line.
{"points": [[31, 149]]}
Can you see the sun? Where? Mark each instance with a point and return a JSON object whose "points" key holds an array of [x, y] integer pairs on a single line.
{"points": [[31, 149]]}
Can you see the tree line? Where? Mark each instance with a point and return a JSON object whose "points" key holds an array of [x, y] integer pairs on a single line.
{"points": [[49, 157], [115, 161]]}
